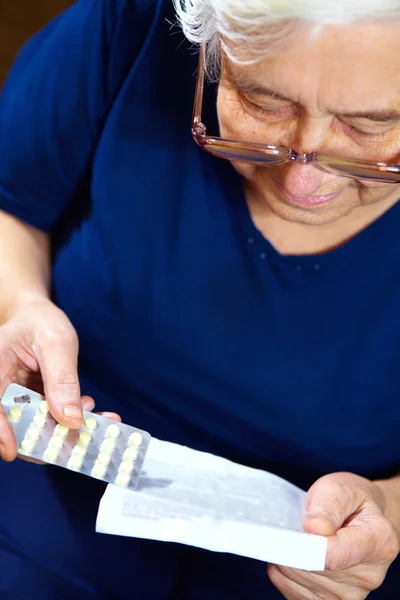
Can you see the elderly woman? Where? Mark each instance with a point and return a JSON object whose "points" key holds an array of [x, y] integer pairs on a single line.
{"points": [[242, 298]]}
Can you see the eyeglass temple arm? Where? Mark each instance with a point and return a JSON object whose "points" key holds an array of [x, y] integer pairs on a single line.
{"points": [[198, 97]]}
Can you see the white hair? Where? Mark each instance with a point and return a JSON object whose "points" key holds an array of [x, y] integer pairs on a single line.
{"points": [[254, 28]]}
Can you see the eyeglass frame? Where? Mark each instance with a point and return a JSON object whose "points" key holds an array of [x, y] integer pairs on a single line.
{"points": [[206, 142]]}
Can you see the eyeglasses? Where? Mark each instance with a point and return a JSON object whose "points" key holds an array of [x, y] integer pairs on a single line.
{"points": [[272, 156]]}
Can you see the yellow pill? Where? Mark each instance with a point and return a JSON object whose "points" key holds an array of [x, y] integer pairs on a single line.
{"points": [[32, 434], [104, 458], [39, 421], [122, 479], [27, 446], [15, 414], [130, 454], [75, 463], [126, 466], [99, 470], [90, 423], [51, 454], [61, 430], [135, 439], [112, 431], [56, 442], [80, 451], [43, 407], [85, 438], [107, 446]]}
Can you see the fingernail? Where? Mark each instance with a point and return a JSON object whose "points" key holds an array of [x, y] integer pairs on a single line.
{"points": [[73, 411], [88, 405], [2, 452]]}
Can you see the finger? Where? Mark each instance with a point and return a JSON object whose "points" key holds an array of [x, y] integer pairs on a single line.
{"points": [[111, 415], [8, 445], [30, 460], [58, 365], [291, 590], [373, 543], [88, 403], [331, 501]]}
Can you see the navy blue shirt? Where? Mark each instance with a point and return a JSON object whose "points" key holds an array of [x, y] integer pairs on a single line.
{"points": [[191, 324]]}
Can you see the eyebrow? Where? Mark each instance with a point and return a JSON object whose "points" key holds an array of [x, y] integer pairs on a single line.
{"points": [[381, 116], [249, 87]]}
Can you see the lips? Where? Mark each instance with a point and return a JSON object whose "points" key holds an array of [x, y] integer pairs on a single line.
{"points": [[307, 200]]}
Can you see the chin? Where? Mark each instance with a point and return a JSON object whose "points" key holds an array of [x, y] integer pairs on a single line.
{"points": [[319, 215]]}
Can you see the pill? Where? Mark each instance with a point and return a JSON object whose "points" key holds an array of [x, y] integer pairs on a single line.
{"points": [[51, 454], [27, 446], [112, 431], [61, 430], [75, 463], [56, 442], [130, 454], [15, 414], [85, 438], [32, 434], [99, 470], [39, 421], [104, 458], [79, 450], [43, 407], [122, 479], [135, 439], [107, 446], [126, 466], [90, 423]]}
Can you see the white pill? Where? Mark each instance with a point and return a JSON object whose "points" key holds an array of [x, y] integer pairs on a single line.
{"points": [[90, 423], [99, 470], [56, 442], [75, 463], [104, 459], [39, 421], [51, 454], [107, 446], [126, 466], [61, 430], [27, 446], [32, 434], [79, 450], [130, 453], [43, 407], [122, 479], [15, 414], [135, 439], [112, 431], [85, 438]]}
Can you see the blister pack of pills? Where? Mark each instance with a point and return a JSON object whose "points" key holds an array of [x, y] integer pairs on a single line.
{"points": [[104, 449]]}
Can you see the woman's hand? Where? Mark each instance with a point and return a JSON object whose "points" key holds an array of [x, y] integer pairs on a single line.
{"points": [[39, 350], [362, 542]]}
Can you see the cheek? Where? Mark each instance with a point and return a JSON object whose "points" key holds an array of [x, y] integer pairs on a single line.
{"points": [[376, 192], [228, 112]]}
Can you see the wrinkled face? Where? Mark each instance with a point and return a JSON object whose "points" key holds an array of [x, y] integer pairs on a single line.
{"points": [[336, 94]]}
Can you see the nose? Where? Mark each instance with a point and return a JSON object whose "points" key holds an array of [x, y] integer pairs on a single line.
{"points": [[306, 179]]}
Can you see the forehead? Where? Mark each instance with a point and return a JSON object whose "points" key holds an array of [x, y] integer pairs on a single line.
{"points": [[353, 66]]}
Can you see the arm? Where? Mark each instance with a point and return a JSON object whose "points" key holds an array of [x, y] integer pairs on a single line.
{"points": [[24, 267], [52, 110], [390, 489]]}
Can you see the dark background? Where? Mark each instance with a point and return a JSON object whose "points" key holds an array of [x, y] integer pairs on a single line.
{"points": [[19, 19]]}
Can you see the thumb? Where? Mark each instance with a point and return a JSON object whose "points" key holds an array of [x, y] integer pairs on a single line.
{"points": [[58, 362], [330, 502]]}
